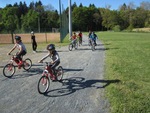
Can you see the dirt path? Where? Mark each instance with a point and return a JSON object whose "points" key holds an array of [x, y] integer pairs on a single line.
{"points": [[82, 90]]}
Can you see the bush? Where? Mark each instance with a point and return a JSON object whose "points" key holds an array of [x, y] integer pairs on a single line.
{"points": [[116, 28]]}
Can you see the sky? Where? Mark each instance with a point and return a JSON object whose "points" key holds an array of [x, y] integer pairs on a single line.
{"points": [[115, 4]]}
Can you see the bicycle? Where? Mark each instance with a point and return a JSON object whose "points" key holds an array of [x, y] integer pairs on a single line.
{"points": [[44, 81], [10, 68], [73, 44], [80, 41], [92, 44]]}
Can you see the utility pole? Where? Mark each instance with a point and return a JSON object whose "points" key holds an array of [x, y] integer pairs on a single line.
{"points": [[60, 21], [70, 19]]}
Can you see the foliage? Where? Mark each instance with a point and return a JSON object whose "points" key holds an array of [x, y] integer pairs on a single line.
{"points": [[116, 28], [29, 21], [9, 18], [36, 16]]}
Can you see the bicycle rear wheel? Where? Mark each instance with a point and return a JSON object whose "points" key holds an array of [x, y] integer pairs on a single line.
{"points": [[9, 70], [59, 74], [43, 84], [27, 64]]}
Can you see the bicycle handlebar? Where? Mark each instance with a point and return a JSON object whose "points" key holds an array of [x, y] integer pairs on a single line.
{"points": [[47, 63]]}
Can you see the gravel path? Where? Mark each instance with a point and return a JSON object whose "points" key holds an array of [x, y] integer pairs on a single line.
{"points": [[82, 90]]}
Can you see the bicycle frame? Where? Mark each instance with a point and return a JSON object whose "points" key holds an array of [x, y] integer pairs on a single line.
{"points": [[48, 72], [13, 59], [92, 44]]}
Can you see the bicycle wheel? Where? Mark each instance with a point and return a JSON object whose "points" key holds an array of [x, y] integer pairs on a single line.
{"points": [[59, 74], [9, 70], [93, 46], [76, 46], [43, 84], [70, 47], [27, 64]]}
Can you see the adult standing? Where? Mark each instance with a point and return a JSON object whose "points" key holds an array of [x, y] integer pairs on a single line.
{"points": [[33, 41]]}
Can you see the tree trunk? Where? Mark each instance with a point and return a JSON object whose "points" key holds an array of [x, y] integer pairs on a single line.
{"points": [[12, 38]]}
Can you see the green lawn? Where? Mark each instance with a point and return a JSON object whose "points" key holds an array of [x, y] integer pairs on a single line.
{"points": [[128, 60]]}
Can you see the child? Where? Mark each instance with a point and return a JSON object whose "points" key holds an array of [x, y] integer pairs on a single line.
{"points": [[80, 38], [52, 53], [22, 50]]}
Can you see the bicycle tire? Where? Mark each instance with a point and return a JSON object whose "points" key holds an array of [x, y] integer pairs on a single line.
{"points": [[70, 47], [27, 64], [43, 84], [93, 46], [59, 74], [76, 46], [9, 70]]}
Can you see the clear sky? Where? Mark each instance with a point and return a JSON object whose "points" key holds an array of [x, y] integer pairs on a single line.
{"points": [[98, 3]]}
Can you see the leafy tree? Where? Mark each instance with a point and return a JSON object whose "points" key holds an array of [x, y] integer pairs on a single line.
{"points": [[30, 20], [83, 18], [109, 18], [10, 19]]}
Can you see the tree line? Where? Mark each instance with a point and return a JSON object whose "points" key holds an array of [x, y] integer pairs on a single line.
{"points": [[36, 16]]}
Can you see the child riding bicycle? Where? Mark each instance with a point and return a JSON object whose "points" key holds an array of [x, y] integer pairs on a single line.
{"points": [[22, 50], [93, 37], [53, 54], [74, 38]]}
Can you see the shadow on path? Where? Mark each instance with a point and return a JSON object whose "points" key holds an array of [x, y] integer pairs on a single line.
{"points": [[74, 84]]}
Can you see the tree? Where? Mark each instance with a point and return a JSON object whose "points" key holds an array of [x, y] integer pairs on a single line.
{"points": [[10, 19], [83, 18], [29, 21], [108, 18]]}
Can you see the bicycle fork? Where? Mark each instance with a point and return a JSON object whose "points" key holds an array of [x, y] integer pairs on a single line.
{"points": [[44, 81]]}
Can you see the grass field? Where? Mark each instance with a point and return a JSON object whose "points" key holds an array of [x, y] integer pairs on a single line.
{"points": [[128, 60]]}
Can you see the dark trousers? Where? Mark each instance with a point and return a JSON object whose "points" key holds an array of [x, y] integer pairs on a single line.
{"points": [[34, 46], [20, 55], [54, 66]]}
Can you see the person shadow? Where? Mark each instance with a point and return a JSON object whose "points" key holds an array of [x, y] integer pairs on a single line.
{"points": [[74, 84]]}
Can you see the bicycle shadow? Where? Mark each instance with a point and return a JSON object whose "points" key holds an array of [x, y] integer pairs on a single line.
{"points": [[24, 74], [67, 70], [74, 84]]}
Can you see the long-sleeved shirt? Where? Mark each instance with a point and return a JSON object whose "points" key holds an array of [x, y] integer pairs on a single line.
{"points": [[55, 56]]}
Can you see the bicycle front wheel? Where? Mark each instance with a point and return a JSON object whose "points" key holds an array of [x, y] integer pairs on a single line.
{"points": [[76, 45], [70, 47], [9, 70], [43, 84], [27, 64], [59, 74], [93, 46]]}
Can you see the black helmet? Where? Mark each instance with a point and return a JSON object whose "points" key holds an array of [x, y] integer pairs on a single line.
{"points": [[51, 47], [17, 37]]}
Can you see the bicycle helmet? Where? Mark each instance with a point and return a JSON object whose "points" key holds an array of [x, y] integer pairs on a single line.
{"points": [[51, 47], [17, 37]]}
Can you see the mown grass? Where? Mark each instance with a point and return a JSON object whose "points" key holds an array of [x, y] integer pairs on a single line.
{"points": [[127, 59]]}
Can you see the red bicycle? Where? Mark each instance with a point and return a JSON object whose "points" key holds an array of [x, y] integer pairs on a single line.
{"points": [[44, 81], [10, 68]]}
